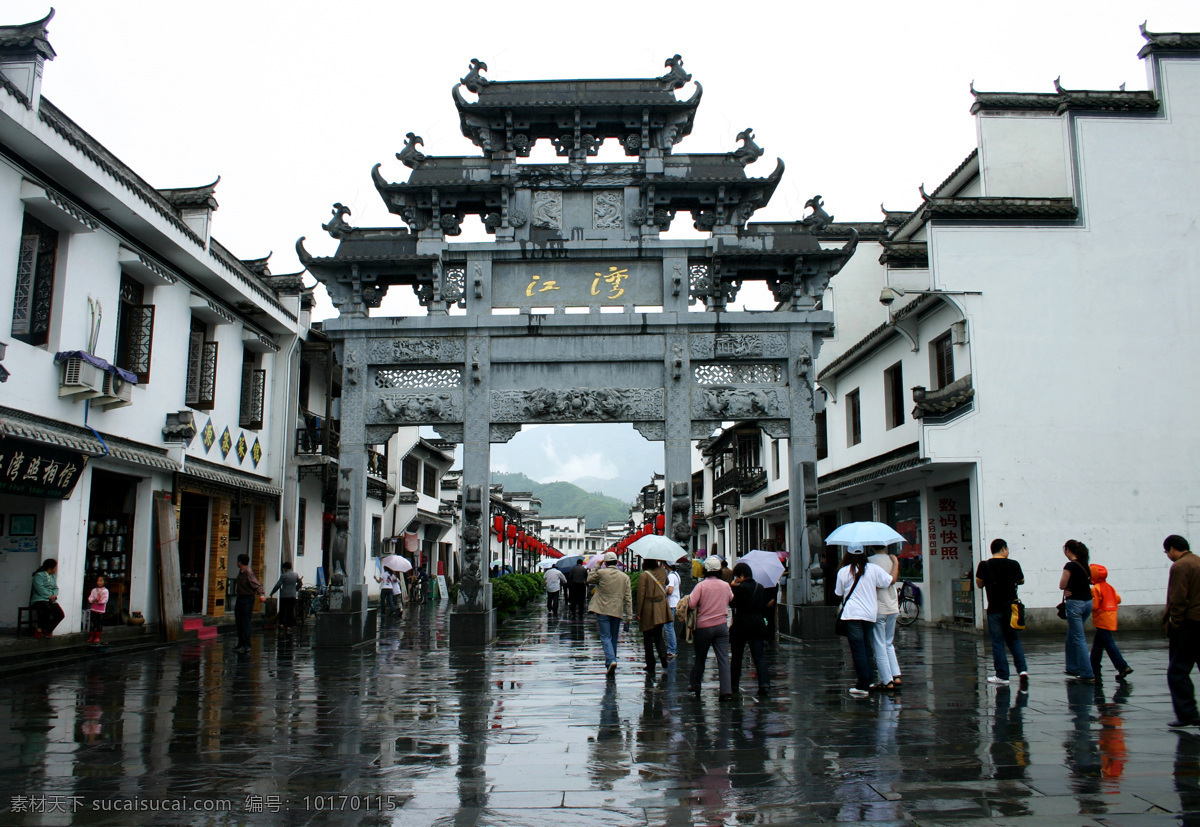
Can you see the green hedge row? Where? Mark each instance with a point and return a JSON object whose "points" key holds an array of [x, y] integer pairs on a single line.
{"points": [[511, 591]]}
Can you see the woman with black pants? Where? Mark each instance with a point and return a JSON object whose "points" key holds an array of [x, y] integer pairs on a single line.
{"points": [[857, 581]]}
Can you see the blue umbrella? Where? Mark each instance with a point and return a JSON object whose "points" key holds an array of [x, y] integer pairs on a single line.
{"points": [[568, 561]]}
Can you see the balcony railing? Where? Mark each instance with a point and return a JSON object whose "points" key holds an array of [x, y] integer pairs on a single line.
{"points": [[318, 437], [745, 480], [376, 463]]}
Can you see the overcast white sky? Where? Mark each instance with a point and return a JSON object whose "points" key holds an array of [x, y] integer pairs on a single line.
{"points": [[292, 103]]}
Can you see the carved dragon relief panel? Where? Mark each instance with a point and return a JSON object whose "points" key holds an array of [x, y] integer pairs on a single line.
{"points": [[739, 403], [547, 209], [577, 405], [608, 210], [440, 349], [739, 345], [418, 408]]}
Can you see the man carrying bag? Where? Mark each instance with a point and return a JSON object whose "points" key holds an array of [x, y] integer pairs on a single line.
{"points": [[999, 577]]}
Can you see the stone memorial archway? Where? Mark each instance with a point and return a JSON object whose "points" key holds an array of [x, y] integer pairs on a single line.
{"points": [[577, 310]]}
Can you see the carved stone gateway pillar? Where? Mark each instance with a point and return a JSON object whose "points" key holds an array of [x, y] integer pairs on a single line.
{"points": [[350, 620]]}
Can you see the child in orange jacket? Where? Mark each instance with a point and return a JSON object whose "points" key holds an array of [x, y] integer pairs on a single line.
{"points": [[1104, 617]]}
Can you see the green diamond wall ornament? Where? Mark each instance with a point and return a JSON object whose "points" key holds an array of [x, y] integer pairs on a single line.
{"points": [[226, 443], [209, 434], [241, 447], [256, 452]]}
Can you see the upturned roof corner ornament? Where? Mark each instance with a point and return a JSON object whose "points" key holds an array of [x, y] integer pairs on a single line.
{"points": [[675, 78], [818, 219], [749, 151], [474, 81], [410, 156], [339, 228]]}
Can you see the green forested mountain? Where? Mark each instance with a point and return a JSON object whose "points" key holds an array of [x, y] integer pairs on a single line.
{"points": [[565, 499]]}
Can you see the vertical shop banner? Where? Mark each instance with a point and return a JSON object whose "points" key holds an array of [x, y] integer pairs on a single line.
{"points": [[36, 470]]}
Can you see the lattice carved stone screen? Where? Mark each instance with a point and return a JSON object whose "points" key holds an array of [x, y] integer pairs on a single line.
{"points": [[420, 378], [727, 374]]}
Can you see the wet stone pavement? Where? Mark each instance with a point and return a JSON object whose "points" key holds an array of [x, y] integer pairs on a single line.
{"points": [[529, 732]]}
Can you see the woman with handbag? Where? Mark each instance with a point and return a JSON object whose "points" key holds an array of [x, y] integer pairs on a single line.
{"points": [[652, 612], [1076, 583], [857, 581]]}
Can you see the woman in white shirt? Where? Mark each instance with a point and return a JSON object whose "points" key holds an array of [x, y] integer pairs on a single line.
{"points": [[887, 668], [673, 595], [857, 581]]}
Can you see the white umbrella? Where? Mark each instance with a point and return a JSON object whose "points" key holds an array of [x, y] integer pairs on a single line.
{"points": [[864, 534], [594, 561], [396, 563], [766, 566], [657, 547], [546, 564]]}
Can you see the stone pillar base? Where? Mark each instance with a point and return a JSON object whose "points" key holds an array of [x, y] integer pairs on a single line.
{"points": [[472, 628], [801, 622], [344, 629]]}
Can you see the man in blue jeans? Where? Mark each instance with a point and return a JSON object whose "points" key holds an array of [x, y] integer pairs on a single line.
{"points": [[243, 610], [999, 577]]}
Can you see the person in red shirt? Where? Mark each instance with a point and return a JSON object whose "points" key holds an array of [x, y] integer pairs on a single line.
{"points": [[1104, 617], [710, 601]]}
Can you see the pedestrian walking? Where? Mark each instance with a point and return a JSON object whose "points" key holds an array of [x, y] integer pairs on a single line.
{"points": [[288, 586], [710, 601], [387, 597], [726, 572], [887, 667], [97, 606], [577, 583], [555, 580], [652, 613], [999, 578], [1182, 621], [43, 599], [1076, 583], [246, 587], [749, 628], [398, 593], [697, 568], [860, 607], [1105, 601], [612, 603], [673, 585]]}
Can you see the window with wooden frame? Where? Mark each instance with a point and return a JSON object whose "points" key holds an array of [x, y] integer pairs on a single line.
{"points": [[34, 293], [943, 361], [893, 395], [135, 329], [410, 473], [822, 437], [201, 368], [254, 384], [429, 482], [301, 523], [774, 459], [853, 418]]}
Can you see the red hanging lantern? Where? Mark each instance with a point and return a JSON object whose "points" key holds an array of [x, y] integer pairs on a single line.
{"points": [[660, 523], [498, 525], [512, 533]]}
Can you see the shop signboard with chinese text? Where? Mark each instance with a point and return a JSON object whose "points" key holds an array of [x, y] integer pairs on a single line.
{"points": [[32, 469]]}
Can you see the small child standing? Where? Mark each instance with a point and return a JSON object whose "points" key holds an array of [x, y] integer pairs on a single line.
{"points": [[98, 601], [1104, 617]]}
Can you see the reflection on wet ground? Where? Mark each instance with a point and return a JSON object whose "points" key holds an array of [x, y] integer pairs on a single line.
{"points": [[529, 732]]}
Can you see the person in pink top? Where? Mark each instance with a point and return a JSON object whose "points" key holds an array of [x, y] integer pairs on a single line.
{"points": [[98, 603], [710, 601]]}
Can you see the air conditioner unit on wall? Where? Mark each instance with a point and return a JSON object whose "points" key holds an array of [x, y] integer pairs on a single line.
{"points": [[115, 392], [80, 379]]}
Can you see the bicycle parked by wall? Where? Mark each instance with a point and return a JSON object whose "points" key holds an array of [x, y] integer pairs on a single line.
{"points": [[312, 600], [910, 603]]}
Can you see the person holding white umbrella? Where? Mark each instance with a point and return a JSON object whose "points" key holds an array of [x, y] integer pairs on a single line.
{"points": [[652, 613], [857, 581]]}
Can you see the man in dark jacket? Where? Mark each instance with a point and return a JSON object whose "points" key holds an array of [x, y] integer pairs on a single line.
{"points": [[1182, 621], [577, 587], [247, 588]]}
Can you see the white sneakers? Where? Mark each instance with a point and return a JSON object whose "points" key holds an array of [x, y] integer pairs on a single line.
{"points": [[997, 681], [858, 693]]}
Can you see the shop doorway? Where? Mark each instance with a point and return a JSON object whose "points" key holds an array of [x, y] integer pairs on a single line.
{"points": [[110, 540], [193, 550]]}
